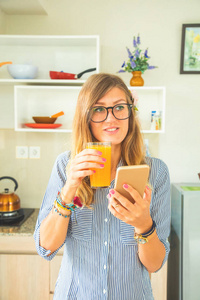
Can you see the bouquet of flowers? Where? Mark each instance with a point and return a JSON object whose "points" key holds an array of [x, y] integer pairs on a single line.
{"points": [[138, 59]]}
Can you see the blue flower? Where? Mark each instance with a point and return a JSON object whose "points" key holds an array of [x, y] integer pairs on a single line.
{"points": [[145, 53], [121, 71], [134, 43], [133, 64], [123, 65], [138, 40], [151, 67], [137, 53], [130, 55]]}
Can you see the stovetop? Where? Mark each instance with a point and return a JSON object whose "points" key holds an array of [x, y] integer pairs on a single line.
{"points": [[15, 220]]}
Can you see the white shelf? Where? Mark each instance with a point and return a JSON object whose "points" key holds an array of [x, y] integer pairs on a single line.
{"points": [[42, 81], [150, 99], [32, 101], [47, 100], [70, 54]]}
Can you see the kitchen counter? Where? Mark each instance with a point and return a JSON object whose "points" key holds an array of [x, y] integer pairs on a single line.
{"points": [[26, 229]]}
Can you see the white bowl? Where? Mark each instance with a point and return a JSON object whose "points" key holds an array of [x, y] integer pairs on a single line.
{"points": [[22, 71]]}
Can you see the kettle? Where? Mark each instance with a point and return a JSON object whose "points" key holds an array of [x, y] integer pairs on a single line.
{"points": [[9, 201]]}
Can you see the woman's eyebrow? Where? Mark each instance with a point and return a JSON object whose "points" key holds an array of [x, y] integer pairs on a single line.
{"points": [[116, 101]]}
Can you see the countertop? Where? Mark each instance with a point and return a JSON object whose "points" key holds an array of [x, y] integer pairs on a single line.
{"points": [[26, 229]]}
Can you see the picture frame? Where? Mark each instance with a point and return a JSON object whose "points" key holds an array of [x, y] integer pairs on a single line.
{"points": [[190, 49]]}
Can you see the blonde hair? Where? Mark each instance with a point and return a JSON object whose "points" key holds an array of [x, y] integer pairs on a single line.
{"points": [[132, 149]]}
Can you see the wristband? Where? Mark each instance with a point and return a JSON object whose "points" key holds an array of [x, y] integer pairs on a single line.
{"points": [[147, 236]]}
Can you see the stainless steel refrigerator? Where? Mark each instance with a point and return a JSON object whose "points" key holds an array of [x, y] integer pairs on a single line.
{"points": [[184, 258]]}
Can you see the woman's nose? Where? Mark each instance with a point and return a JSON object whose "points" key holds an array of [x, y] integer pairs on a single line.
{"points": [[110, 115]]}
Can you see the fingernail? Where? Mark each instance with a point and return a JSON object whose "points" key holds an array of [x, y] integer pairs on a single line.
{"points": [[125, 186], [104, 159], [101, 165], [93, 171], [99, 152], [109, 195], [112, 191], [147, 187]]}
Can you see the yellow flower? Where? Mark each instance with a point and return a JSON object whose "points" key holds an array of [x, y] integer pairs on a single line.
{"points": [[197, 38]]}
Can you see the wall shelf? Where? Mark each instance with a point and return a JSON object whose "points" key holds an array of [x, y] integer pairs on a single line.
{"points": [[46, 100]]}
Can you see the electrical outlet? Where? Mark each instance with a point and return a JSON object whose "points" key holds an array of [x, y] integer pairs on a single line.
{"points": [[21, 152], [34, 152]]}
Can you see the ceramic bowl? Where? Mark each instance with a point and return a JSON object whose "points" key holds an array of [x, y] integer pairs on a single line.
{"points": [[44, 120], [22, 71]]}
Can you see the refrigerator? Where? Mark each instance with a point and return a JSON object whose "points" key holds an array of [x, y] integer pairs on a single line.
{"points": [[183, 278]]}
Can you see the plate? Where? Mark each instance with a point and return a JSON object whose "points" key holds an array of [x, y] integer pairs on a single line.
{"points": [[42, 125]]}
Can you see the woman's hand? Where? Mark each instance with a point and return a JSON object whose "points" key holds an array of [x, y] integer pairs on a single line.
{"points": [[136, 214], [81, 166]]}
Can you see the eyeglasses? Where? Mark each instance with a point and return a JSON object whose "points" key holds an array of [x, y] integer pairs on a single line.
{"points": [[121, 111]]}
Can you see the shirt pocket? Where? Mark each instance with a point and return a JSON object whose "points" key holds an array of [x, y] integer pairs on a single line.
{"points": [[80, 226], [127, 234]]}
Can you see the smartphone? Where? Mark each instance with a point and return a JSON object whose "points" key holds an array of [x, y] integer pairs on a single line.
{"points": [[136, 176]]}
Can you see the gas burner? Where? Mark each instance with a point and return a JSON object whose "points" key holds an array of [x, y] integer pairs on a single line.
{"points": [[15, 218]]}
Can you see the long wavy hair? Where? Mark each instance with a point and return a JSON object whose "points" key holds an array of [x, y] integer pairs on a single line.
{"points": [[132, 148]]}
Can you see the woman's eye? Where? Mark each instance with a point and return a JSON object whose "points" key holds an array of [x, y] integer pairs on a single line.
{"points": [[98, 109], [119, 107]]}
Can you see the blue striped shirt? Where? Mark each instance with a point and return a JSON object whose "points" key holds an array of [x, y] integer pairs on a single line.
{"points": [[100, 259]]}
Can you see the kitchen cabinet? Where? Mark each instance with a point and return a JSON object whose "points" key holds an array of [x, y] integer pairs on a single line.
{"points": [[23, 273], [46, 100], [71, 54]]}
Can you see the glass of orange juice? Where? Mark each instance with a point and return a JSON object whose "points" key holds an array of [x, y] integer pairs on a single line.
{"points": [[102, 177]]}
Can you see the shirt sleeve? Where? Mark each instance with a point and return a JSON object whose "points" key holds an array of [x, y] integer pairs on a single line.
{"points": [[56, 182], [160, 203]]}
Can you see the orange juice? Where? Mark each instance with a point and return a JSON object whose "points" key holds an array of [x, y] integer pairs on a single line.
{"points": [[102, 177]]}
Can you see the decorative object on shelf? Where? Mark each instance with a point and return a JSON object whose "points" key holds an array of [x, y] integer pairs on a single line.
{"points": [[62, 75], [156, 117], [190, 49], [22, 71], [5, 63], [48, 120], [42, 125], [137, 62], [137, 79]]}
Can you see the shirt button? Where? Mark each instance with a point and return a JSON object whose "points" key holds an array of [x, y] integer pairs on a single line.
{"points": [[106, 220], [104, 267], [105, 243], [104, 291]]}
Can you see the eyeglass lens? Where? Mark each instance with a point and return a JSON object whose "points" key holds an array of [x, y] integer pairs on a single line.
{"points": [[120, 112]]}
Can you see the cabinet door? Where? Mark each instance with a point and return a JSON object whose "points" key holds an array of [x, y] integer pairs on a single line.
{"points": [[24, 277], [159, 283], [54, 270]]}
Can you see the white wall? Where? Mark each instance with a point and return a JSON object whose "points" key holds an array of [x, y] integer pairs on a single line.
{"points": [[2, 22], [159, 24]]}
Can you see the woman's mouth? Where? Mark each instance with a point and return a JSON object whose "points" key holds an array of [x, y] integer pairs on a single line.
{"points": [[112, 130]]}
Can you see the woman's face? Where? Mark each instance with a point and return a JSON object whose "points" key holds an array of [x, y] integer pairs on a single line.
{"points": [[111, 130]]}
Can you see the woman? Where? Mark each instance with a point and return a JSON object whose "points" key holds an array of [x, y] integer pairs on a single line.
{"points": [[111, 244]]}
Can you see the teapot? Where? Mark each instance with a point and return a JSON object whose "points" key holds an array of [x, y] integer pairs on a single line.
{"points": [[9, 201]]}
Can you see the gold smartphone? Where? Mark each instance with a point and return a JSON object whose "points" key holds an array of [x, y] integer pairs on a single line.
{"points": [[136, 176]]}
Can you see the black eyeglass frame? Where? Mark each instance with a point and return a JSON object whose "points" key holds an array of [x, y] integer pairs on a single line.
{"points": [[111, 107]]}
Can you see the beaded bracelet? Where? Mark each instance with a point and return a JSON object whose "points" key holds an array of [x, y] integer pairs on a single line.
{"points": [[68, 206], [58, 212]]}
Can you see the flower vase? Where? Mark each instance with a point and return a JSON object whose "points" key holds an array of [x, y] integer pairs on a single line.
{"points": [[137, 79]]}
